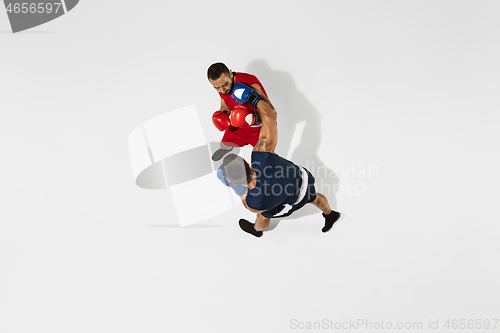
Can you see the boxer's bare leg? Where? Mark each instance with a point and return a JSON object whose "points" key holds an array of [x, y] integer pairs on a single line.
{"points": [[322, 203], [261, 222], [330, 215]]}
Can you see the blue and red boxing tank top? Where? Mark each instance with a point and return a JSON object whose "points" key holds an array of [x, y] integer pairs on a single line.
{"points": [[243, 78]]}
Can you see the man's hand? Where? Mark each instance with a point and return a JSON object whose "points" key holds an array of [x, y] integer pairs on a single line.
{"points": [[221, 120], [224, 108], [242, 117]]}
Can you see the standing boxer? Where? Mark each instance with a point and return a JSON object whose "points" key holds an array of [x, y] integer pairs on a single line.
{"points": [[240, 122], [276, 187]]}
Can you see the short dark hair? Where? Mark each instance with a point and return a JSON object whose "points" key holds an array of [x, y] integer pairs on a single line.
{"points": [[216, 70], [236, 170]]}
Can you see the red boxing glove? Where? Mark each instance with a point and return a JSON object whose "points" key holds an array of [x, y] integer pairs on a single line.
{"points": [[221, 120], [242, 117]]}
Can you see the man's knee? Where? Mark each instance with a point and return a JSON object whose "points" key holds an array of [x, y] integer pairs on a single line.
{"points": [[319, 198]]}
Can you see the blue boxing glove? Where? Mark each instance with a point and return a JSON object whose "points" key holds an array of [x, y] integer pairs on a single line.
{"points": [[238, 189], [243, 93]]}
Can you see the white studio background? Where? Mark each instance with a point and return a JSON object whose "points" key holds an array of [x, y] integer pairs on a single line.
{"points": [[405, 89]]}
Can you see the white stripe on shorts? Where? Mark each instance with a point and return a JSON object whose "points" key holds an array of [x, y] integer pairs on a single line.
{"points": [[302, 193]]}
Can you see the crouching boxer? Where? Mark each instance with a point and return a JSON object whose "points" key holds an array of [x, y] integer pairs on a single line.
{"points": [[276, 187], [240, 121]]}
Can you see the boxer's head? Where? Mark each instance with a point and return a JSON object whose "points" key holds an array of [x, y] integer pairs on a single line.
{"points": [[237, 170], [221, 78]]}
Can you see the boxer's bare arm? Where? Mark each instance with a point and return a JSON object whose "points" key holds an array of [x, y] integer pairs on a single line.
{"points": [[257, 89], [268, 137]]}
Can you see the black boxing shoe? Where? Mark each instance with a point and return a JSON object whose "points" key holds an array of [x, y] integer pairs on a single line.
{"points": [[330, 219], [219, 153], [249, 227]]}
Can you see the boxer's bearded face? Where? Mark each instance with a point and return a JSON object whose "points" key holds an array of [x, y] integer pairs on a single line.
{"points": [[224, 84]]}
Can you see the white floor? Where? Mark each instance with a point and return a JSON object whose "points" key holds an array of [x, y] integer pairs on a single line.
{"points": [[393, 105]]}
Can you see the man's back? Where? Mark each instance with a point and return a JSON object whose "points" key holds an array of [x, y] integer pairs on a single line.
{"points": [[278, 181]]}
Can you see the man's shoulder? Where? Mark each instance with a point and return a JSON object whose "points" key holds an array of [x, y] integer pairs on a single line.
{"points": [[246, 78], [260, 158], [249, 79], [264, 155]]}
